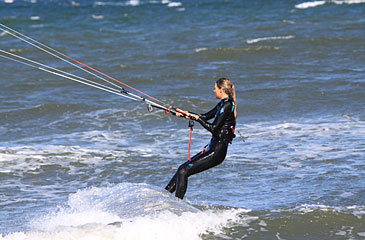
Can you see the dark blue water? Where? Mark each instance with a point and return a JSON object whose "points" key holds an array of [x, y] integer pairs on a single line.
{"points": [[80, 163]]}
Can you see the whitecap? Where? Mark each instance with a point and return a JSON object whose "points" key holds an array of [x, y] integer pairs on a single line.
{"points": [[255, 40], [347, 194], [319, 3], [133, 3], [341, 233], [310, 4], [200, 49], [129, 211], [174, 4], [340, 2], [97, 17], [119, 4], [35, 18]]}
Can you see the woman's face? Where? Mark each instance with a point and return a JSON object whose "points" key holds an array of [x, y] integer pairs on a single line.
{"points": [[218, 92]]}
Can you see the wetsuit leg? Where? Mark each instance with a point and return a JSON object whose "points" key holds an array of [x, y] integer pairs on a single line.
{"points": [[171, 187], [199, 163]]}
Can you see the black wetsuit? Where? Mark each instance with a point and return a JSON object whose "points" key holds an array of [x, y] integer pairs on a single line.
{"points": [[222, 130]]}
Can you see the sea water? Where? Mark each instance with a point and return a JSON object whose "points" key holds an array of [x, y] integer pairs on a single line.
{"points": [[80, 163]]}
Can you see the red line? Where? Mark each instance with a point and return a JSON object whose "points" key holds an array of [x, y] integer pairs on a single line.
{"points": [[191, 133], [114, 79]]}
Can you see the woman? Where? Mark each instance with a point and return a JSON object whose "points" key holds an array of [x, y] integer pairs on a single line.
{"points": [[222, 129]]}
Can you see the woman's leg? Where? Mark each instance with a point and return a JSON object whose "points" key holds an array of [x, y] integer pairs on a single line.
{"points": [[171, 187], [199, 163]]}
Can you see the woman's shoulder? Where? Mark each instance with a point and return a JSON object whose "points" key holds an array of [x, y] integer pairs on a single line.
{"points": [[226, 105], [227, 102]]}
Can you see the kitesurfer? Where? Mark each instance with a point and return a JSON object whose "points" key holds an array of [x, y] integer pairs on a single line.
{"points": [[222, 129]]}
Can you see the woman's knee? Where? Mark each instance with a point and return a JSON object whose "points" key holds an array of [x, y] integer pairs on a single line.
{"points": [[182, 171]]}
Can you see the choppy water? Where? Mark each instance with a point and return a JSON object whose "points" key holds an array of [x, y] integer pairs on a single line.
{"points": [[79, 163]]}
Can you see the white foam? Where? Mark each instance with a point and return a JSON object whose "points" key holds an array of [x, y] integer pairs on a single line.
{"points": [[292, 142], [101, 213], [97, 17], [347, 194], [310, 4], [341, 233], [30, 158], [174, 4], [168, 3], [306, 5], [133, 3], [74, 218], [35, 18], [200, 49], [307, 208], [357, 211], [255, 40], [119, 4], [340, 2]]}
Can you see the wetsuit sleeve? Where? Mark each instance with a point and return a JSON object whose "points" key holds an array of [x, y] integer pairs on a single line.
{"points": [[210, 114], [218, 122]]}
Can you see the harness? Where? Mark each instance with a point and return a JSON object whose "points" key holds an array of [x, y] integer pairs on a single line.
{"points": [[226, 134]]}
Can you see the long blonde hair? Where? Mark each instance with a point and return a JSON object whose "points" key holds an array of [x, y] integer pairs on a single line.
{"points": [[227, 86]]}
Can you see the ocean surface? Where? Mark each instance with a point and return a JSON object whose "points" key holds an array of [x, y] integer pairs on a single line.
{"points": [[77, 162]]}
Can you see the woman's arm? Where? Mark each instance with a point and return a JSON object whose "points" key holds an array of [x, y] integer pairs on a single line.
{"points": [[209, 115], [206, 116], [219, 120]]}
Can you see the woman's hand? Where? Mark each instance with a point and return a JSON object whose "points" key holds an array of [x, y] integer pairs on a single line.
{"points": [[182, 113], [195, 116]]}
